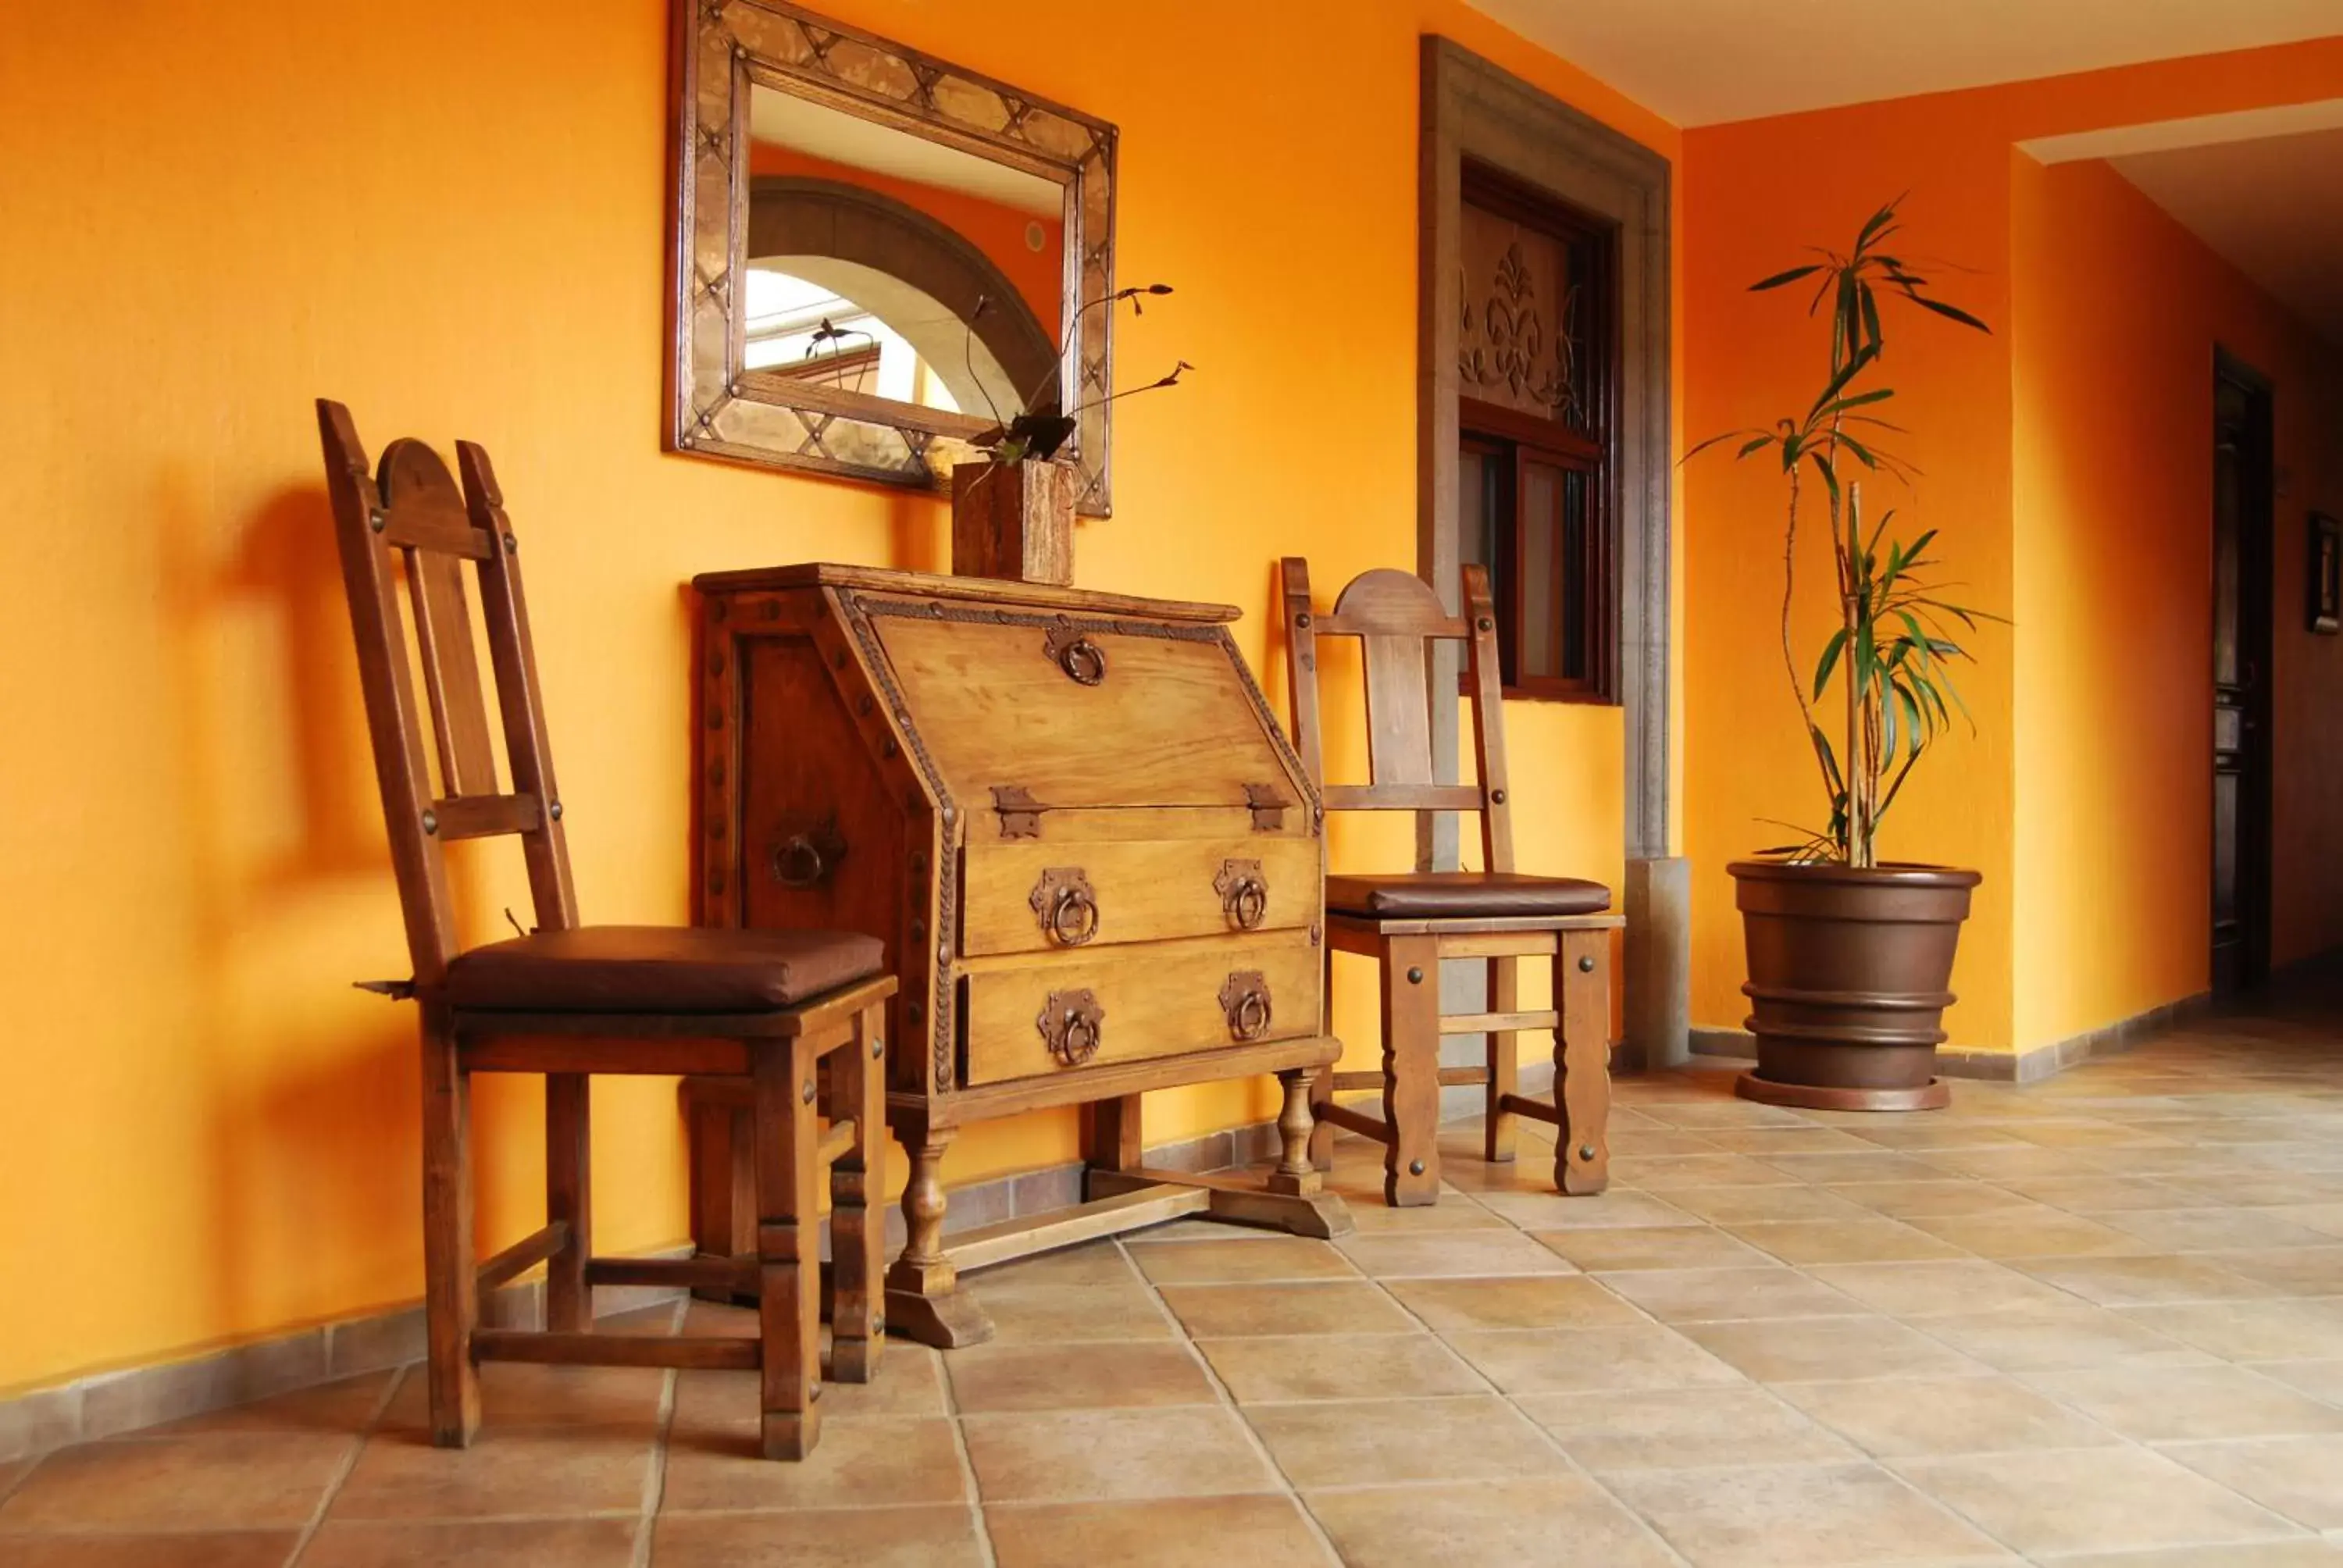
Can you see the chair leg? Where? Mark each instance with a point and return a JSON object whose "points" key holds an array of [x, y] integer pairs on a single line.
{"points": [[451, 1304], [1504, 996], [789, 1264], [569, 1200], [1412, 1072], [1321, 1083], [857, 1235], [1582, 1062]]}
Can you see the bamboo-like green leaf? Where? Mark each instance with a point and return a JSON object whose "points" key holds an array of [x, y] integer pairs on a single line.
{"points": [[1712, 441], [1870, 316], [1829, 661], [1861, 399], [1829, 474], [1920, 638], [1911, 723], [1755, 443], [1829, 760], [1779, 279], [1952, 312]]}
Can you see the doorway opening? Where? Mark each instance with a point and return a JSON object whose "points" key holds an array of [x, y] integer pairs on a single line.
{"points": [[2243, 484]]}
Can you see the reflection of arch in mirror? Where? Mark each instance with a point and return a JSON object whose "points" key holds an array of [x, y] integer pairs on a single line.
{"points": [[915, 275]]}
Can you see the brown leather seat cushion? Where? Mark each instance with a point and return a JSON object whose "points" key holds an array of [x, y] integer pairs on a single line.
{"points": [[659, 968], [1463, 895]]}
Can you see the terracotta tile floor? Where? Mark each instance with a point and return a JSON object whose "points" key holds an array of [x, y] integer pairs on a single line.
{"points": [[2097, 1320]]}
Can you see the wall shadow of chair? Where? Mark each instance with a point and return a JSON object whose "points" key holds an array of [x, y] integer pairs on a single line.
{"points": [[312, 1104]]}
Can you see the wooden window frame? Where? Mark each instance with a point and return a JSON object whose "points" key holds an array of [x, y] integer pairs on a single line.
{"points": [[1594, 451]]}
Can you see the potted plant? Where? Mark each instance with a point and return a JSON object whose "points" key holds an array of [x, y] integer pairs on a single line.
{"points": [[1850, 957], [1013, 511]]}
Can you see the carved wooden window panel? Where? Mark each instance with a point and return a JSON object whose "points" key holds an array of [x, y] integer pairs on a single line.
{"points": [[1537, 372]]}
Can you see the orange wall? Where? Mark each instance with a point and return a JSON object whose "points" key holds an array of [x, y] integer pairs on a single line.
{"points": [[2119, 310], [2006, 800], [1752, 359], [453, 217]]}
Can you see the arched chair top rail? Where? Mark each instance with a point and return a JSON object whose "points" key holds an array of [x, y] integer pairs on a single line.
{"points": [[1387, 602]]}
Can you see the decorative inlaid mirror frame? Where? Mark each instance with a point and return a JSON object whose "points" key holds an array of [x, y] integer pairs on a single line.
{"points": [[718, 407]]}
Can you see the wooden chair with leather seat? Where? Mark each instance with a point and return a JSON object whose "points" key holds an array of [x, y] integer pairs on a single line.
{"points": [[1411, 921], [781, 1008]]}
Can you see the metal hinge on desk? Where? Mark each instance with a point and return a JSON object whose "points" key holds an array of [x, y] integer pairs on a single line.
{"points": [[1021, 814], [1268, 803]]}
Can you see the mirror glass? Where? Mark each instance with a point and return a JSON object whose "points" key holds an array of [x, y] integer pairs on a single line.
{"points": [[885, 264]]}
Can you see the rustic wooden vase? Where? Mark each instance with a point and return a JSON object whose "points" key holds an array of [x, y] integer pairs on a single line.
{"points": [[1848, 971], [1015, 521]]}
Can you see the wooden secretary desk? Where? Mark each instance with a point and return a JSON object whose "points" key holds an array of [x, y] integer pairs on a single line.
{"points": [[1098, 866]]}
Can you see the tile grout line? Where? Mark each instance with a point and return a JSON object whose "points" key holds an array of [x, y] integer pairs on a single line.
{"points": [[349, 1463], [1873, 1461], [978, 1523], [1228, 1401], [1896, 1467], [1553, 1444], [655, 1473]]}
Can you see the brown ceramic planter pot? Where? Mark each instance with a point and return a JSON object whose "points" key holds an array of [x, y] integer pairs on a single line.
{"points": [[1847, 978]]}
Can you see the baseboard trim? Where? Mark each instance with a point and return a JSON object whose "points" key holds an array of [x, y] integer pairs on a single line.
{"points": [[108, 1404], [2007, 1066]]}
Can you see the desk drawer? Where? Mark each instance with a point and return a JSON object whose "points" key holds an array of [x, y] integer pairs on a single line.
{"points": [[1038, 897], [1062, 1014]]}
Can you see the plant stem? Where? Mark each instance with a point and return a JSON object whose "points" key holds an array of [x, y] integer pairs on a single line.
{"points": [[1861, 765], [1789, 659]]}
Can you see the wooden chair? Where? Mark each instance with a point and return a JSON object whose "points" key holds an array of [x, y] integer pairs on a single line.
{"points": [[781, 1008], [1413, 920]]}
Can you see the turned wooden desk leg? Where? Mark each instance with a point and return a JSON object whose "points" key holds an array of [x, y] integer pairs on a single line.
{"points": [[1296, 1175], [1412, 1072], [1322, 1088], [924, 1301], [1582, 1062]]}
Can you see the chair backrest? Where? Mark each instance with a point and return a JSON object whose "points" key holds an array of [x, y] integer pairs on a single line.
{"points": [[1397, 619], [411, 509]]}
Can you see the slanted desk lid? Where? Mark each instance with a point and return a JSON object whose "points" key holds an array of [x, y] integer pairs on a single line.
{"points": [[1053, 712]]}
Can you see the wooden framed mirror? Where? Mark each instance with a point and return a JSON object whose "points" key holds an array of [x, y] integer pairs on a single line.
{"points": [[878, 257]]}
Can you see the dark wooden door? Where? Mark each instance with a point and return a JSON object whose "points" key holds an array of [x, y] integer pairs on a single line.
{"points": [[2242, 483]]}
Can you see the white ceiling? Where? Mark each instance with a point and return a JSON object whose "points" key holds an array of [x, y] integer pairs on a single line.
{"points": [[1702, 62], [2259, 187], [2273, 207]]}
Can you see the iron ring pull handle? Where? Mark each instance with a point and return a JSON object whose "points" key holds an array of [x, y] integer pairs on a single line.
{"points": [[1064, 903], [1072, 1026], [805, 858], [1073, 916], [1244, 893], [1245, 1000], [797, 863], [1082, 661]]}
